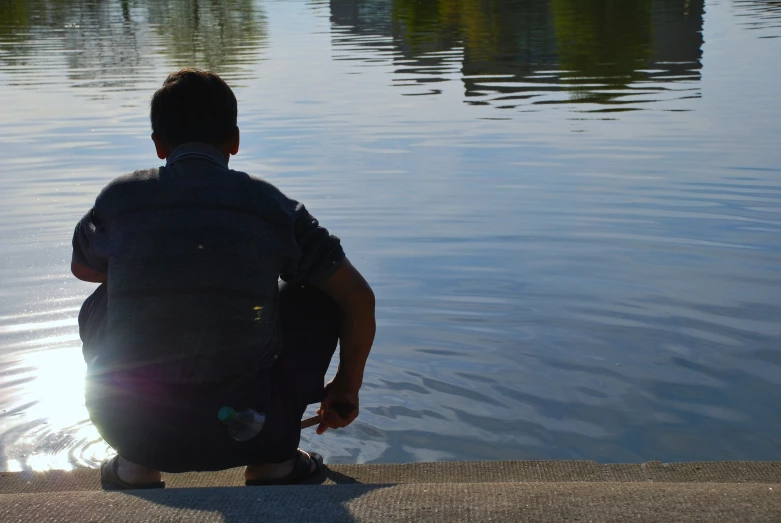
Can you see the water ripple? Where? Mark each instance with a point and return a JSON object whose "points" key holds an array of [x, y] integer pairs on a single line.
{"points": [[569, 214]]}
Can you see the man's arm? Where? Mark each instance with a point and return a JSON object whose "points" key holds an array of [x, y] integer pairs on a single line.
{"points": [[356, 334], [84, 273], [86, 265]]}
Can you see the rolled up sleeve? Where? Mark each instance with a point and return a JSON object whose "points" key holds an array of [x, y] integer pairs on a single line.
{"points": [[84, 244], [321, 252]]}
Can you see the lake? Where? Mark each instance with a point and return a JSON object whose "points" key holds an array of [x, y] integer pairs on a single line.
{"points": [[570, 210]]}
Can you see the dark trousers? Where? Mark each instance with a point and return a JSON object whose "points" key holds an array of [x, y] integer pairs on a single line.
{"points": [[173, 427]]}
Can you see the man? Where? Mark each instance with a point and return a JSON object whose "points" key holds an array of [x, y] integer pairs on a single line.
{"points": [[191, 316]]}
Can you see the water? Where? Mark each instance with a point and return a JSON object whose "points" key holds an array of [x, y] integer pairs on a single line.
{"points": [[570, 211]]}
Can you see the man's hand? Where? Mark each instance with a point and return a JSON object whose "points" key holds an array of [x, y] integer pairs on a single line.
{"points": [[339, 408]]}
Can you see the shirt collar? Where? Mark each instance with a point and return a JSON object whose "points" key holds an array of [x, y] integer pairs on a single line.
{"points": [[198, 150]]}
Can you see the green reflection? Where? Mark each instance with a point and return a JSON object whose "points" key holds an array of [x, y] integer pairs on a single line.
{"points": [[218, 35], [486, 29], [121, 42], [422, 25], [597, 48], [605, 40]]}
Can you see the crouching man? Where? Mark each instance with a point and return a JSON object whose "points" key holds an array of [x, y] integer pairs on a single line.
{"points": [[191, 316]]}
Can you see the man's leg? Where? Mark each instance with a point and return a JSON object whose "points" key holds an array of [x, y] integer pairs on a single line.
{"points": [[92, 326], [310, 333], [92, 322]]}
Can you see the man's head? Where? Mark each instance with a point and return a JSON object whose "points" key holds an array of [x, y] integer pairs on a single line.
{"points": [[194, 106]]}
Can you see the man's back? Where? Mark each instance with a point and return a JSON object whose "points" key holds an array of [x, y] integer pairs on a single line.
{"points": [[193, 253]]}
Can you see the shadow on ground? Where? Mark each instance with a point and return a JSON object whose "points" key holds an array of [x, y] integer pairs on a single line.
{"points": [[309, 501]]}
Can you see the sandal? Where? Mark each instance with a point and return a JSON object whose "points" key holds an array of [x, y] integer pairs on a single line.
{"points": [[110, 480], [302, 469]]}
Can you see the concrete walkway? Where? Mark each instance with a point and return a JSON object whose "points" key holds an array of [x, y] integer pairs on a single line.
{"points": [[447, 492]]}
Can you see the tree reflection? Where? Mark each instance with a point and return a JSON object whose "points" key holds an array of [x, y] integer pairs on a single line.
{"points": [[218, 35], [594, 50], [422, 25], [118, 43], [603, 40]]}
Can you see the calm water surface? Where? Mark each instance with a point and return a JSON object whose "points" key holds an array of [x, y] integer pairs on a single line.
{"points": [[570, 210]]}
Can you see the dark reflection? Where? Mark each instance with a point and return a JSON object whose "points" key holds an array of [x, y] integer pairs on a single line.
{"points": [[520, 52], [117, 43], [603, 40], [761, 14]]}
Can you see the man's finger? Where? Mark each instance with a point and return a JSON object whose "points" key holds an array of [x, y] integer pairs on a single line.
{"points": [[331, 419], [334, 420], [344, 408]]}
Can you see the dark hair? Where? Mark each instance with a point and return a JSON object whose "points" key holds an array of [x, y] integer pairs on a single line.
{"points": [[194, 106]]}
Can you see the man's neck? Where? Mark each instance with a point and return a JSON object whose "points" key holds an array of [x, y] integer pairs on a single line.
{"points": [[203, 149]]}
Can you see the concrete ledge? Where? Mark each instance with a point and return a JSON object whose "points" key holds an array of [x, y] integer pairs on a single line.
{"points": [[440, 472], [439, 502], [446, 491]]}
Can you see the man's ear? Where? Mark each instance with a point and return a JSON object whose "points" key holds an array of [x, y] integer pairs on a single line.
{"points": [[162, 148], [234, 142]]}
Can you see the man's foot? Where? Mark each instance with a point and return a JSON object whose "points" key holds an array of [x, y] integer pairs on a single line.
{"points": [[294, 470], [118, 473]]}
